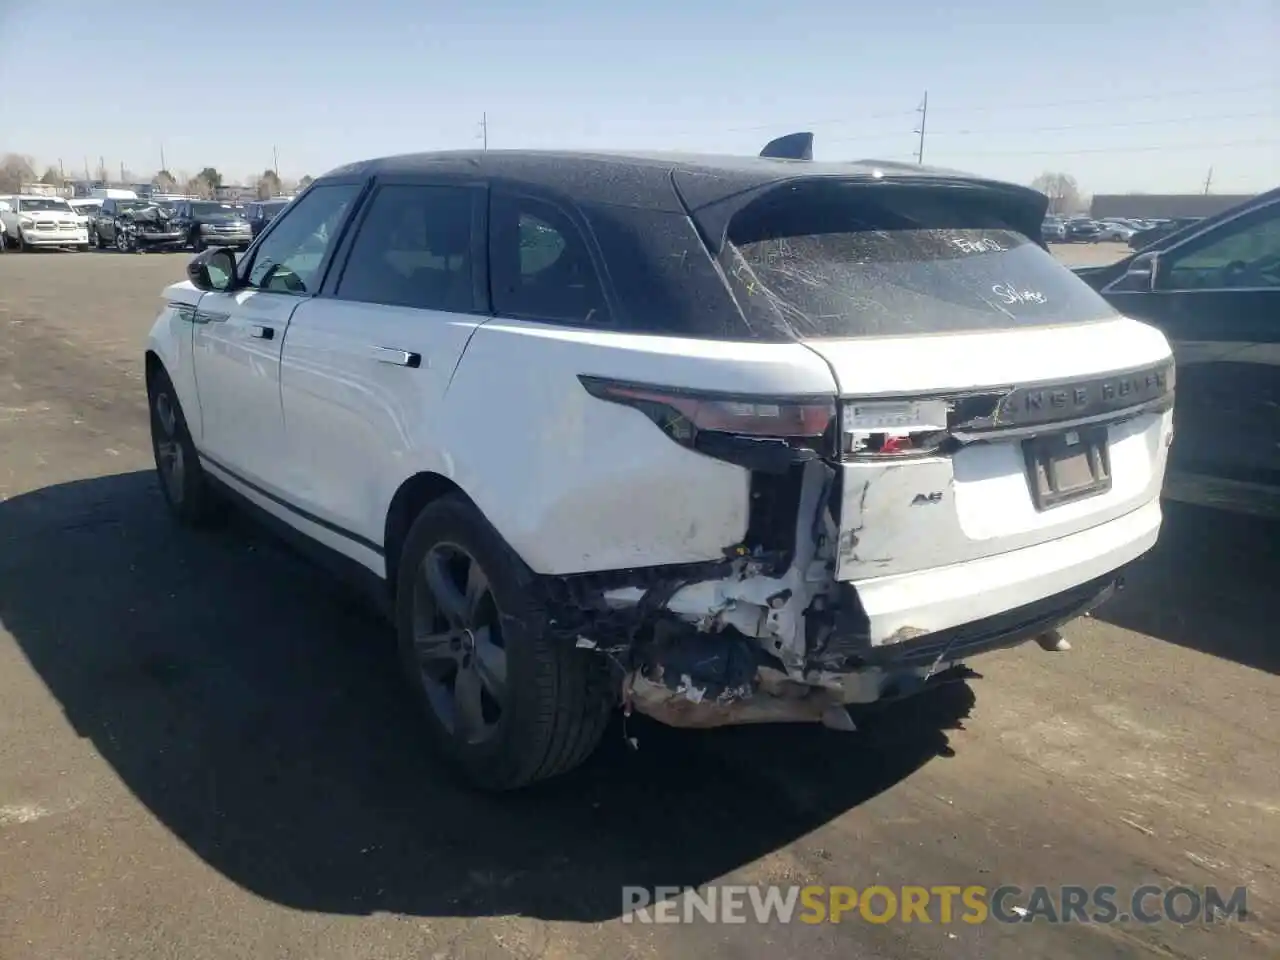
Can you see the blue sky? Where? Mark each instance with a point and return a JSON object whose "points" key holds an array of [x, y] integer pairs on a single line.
{"points": [[1148, 102]]}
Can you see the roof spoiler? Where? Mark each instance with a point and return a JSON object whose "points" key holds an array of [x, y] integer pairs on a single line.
{"points": [[793, 146]]}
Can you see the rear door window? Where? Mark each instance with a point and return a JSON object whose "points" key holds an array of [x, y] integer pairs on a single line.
{"points": [[540, 265], [842, 260]]}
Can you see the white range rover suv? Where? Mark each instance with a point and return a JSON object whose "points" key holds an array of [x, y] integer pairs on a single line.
{"points": [[717, 439]]}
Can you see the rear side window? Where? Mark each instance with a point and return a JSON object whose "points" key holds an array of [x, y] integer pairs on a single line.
{"points": [[841, 260], [540, 266], [413, 249], [664, 279]]}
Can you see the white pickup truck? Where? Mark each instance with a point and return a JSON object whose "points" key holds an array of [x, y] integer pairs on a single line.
{"points": [[32, 221]]}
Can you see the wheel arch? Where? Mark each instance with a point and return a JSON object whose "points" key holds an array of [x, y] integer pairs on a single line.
{"points": [[412, 496], [152, 364]]}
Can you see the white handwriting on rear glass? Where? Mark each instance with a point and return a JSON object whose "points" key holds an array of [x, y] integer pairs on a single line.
{"points": [[1010, 294], [981, 245]]}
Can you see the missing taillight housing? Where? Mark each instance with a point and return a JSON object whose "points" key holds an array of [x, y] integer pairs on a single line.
{"points": [[761, 433], [893, 429]]}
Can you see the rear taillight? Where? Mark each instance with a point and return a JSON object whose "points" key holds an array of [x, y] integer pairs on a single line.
{"points": [[761, 433]]}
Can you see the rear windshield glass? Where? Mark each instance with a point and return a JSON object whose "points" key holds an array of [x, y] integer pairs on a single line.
{"points": [[835, 262]]}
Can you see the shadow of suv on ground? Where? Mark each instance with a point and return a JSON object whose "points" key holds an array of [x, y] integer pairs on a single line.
{"points": [[254, 706]]}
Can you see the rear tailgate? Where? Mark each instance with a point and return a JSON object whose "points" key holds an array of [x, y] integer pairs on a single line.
{"points": [[990, 399]]}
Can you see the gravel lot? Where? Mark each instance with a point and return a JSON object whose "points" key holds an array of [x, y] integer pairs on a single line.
{"points": [[205, 751]]}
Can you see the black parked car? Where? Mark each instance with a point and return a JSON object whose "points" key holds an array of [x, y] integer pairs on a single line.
{"points": [[1145, 238], [262, 212], [1082, 229], [131, 226], [1214, 289], [207, 223]]}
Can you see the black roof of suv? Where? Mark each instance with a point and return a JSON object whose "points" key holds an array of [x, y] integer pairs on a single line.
{"points": [[676, 183]]}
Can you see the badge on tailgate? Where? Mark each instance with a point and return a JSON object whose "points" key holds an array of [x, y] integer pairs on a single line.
{"points": [[1067, 466]]}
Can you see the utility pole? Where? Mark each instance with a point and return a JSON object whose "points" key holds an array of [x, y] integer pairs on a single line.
{"points": [[484, 130], [62, 174], [122, 171], [275, 162], [1207, 181], [86, 169], [923, 110], [163, 165]]}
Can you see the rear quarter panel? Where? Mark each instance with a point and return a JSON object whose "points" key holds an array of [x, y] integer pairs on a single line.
{"points": [[577, 484]]}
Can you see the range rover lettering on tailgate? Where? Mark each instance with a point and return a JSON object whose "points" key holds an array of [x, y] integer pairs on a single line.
{"points": [[718, 439]]}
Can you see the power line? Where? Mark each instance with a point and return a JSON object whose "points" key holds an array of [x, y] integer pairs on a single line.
{"points": [[1143, 149], [1132, 98], [1115, 124], [898, 114]]}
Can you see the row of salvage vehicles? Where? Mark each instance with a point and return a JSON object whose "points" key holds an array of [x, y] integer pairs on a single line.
{"points": [[125, 222]]}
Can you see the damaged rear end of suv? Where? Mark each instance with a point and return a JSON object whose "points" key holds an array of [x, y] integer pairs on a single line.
{"points": [[837, 429], [985, 458]]}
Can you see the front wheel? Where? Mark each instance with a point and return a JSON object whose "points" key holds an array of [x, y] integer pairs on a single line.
{"points": [[183, 482], [197, 243], [505, 703]]}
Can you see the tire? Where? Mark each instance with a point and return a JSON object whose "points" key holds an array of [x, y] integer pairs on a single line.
{"points": [[22, 243], [83, 247], [122, 240], [187, 492], [197, 242], [97, 241], [554, 701]]}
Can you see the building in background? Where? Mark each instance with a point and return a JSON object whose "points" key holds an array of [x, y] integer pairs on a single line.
{"points": [[1151, 206], [235, 193]]}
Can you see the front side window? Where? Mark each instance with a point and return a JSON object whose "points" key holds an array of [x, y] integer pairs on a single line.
{"points": [[540, 265], [289, 258], [1241, 255], [413, 249], [846, 260]]}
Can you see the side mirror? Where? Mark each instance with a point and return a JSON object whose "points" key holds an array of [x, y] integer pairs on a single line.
{"points": [[213, 270], [1141, 274]]}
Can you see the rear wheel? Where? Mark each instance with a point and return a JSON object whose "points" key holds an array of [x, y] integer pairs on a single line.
{"points": [[183, 482], [505, 703]]}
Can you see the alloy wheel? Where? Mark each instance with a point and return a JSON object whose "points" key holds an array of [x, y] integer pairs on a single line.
{"points": [[458, 643], [169, 455]]}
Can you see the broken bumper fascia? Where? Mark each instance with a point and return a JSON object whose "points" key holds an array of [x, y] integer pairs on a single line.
{"points": [[737, 641]]}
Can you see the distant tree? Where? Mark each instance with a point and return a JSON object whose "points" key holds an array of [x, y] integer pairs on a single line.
{"points": [[1062, 190], [52, 177], [165, 182], [210, 176], [198, 186], [288, 187], [268, 185], [15, 170], [306, 181]]}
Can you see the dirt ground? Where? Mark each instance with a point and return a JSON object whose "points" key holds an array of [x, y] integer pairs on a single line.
{"points": [[205, 750]]}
